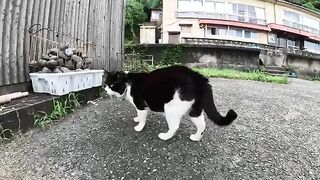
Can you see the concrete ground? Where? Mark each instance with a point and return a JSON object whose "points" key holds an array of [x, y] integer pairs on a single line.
{"points": [[277, 136]]}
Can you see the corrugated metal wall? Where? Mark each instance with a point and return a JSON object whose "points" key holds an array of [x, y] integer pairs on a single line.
{"points": [[98, 21]]}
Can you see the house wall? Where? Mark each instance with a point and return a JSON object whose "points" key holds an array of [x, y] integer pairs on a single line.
{"points": [[147, 34], [274, 8], [98, 22]]}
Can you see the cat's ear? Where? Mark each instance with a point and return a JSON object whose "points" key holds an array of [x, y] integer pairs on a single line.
{"points": [[121, 75], [107, 73]]}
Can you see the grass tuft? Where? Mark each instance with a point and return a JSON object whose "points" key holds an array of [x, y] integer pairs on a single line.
{"points": [[61, 108], [5, 135], [235, 74]]}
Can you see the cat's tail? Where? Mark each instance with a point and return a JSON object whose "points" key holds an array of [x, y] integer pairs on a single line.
{"points": [[211, 110]]}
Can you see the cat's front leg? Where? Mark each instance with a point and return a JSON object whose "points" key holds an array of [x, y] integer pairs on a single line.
{"points": [[141, 119]]}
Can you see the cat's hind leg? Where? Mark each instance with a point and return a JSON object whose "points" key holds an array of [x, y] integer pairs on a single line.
{"points": [[174, 110], [173, 124], [197, 117], [201, 125]]}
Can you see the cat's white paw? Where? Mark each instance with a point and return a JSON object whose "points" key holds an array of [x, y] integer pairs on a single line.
{"points": [[138, 127], [136, 119], [195, 137], [164, 136]]}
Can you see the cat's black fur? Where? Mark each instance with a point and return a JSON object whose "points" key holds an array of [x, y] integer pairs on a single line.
{"points": [[155, 89]]}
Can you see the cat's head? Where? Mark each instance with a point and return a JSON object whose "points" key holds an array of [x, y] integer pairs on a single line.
{"points": [[116, 83]]}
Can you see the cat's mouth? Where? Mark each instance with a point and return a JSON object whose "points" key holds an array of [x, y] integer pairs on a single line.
{"points": [[116, 94]]}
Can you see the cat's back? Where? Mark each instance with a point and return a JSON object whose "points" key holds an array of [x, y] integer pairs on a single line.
{"points": [[176, 75]]}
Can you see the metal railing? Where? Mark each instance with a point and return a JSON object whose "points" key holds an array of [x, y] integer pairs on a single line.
{"points": [[223, 42], [241, 44], [222, 16], [301, 26], [135, 60]]}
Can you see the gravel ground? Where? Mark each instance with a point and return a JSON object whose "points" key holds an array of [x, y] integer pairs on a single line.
{"points": [[275, 137]]}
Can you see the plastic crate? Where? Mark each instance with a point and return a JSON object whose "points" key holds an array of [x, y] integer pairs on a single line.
{"points": [[64, 83]]}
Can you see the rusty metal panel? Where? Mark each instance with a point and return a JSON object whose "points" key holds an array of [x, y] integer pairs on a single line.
{"points": [[100, 22]]}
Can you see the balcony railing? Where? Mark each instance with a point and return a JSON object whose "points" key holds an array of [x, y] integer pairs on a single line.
{"points": [[223, 16], [225, 43], [241, 44], [301, 26]]}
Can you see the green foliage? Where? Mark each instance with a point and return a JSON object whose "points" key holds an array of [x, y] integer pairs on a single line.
{"points": [[135, 16], [5, 134], [102, 92], [151, 3], [310, 4], [171, 55], [61, 108], [315, 78], [234, 74], [137, 12], [140, 49], [137, 66]]}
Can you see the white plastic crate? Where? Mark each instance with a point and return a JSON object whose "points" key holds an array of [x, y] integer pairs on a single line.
{"points": [[64, 83]]}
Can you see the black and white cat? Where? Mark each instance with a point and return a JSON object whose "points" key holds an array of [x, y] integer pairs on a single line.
{"points": [[175, 90]]}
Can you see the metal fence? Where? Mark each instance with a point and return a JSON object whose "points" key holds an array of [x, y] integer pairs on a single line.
{"points": [[98, 21]]}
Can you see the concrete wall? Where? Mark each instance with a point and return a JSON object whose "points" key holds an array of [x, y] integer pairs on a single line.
{"points": [[238, 58], [273, 58], [211, 56], [303, 65]]}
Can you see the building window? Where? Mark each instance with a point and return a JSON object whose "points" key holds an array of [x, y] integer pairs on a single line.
{"points": [[312, 47], [272, 38], [246, 13], [213, 6], [213, 31], [222, 31], [233, 32], [297, 21], [293, 43], [247, 34], [185, 5], [190, 5], [209, 5], [310, 22], [197, 5], [174, 37], [220, 7], [186, 28], [291, 16]]}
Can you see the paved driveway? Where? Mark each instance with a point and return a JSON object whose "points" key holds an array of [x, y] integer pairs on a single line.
{"points": [[277, 136]]}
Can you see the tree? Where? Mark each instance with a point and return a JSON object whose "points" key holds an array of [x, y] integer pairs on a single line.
{"points": [[149, 4], [310, 4], [135, 16]]}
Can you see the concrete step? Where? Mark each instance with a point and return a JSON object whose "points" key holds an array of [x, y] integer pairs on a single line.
{"points": [[275, 71], [276, 68], [18, 115]]}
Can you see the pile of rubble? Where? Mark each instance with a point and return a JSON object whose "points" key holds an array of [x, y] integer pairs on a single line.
{"points": [[63, 59]]}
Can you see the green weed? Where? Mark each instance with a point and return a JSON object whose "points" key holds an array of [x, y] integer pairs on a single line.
{"points": [[234, 74], [5, 134], [61, 108]]}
